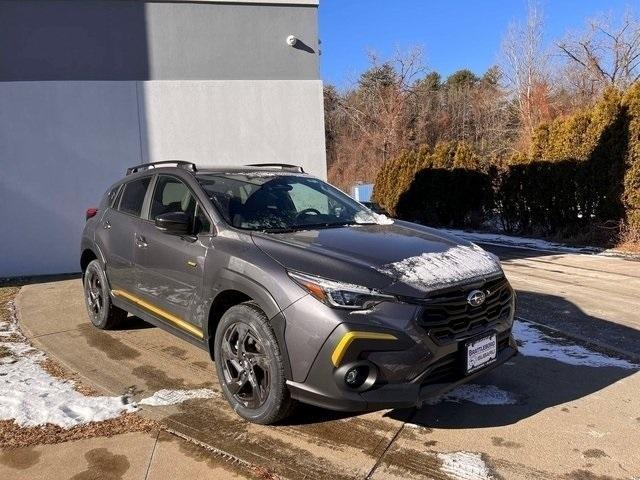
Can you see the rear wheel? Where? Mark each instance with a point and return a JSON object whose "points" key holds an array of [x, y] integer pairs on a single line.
{"points": [[102, 312], [250, 366]]}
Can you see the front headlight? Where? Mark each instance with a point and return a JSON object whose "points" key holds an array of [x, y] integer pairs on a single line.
{"points": [[338, 294]]}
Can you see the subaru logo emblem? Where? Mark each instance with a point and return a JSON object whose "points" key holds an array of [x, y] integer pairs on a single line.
{"points": [[476, 298]]}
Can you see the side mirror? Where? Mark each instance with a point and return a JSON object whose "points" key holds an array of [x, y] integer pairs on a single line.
{"points": [[174, 223]]}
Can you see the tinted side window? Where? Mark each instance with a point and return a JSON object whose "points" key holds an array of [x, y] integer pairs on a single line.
{"points": [[172, 195], [133, 196]]}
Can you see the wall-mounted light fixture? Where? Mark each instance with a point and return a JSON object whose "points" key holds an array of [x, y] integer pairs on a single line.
{"points": [[292, 40]]}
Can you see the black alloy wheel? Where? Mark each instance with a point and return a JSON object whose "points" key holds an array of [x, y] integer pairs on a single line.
{"points": [[93, 292], [102, 312], [250, 365], [245, 365]]}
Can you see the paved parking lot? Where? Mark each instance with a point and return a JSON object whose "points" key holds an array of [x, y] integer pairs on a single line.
{"points": [[567, 408]]}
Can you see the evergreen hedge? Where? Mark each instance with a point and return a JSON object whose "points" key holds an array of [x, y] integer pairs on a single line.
{"points": [[631, 196], [582, 172]]}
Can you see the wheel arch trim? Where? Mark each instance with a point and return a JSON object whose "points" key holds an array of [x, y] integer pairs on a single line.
{"points": [[234, 281]]}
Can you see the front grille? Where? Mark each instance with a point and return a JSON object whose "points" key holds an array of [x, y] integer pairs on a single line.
{"points": [[448, 317], [450, 367]]}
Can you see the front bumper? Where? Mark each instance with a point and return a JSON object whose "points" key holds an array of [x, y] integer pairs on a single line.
{"points": [[320, 392], [412, 352]]}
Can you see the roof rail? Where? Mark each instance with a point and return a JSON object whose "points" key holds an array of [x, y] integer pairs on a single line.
{"points": [[146, 166], [283, 166]]}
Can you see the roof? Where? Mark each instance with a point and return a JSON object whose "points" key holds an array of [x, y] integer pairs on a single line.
{"points": [[248, 169], [192, 167]]}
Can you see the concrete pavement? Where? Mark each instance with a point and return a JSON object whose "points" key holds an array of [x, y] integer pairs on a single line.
{"points": [[131, 456], [568, 421], [592, 297]]}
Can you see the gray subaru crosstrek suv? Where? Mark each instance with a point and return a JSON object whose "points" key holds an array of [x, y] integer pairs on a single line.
{"points": [[298, 292]]}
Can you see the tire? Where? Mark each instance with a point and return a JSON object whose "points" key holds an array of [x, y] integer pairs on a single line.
{"points": [[246, 353], [102, 312]]}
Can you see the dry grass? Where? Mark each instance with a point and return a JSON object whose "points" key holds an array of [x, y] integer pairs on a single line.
{"points": [[629, 247], [14, 436], [629, 240], [7, 294], [56, 370]]}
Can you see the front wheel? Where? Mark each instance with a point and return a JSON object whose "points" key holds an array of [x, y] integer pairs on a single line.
{"points": [[250, 366]]}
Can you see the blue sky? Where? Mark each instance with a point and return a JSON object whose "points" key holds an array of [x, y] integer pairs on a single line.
{"points": [[454, 34]]}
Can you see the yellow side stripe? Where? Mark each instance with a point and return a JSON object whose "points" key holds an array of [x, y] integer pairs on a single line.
{"points": [[178, 322], [349, 337]]}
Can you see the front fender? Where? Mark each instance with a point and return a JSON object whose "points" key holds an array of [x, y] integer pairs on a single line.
{"points": [[260, 295]]}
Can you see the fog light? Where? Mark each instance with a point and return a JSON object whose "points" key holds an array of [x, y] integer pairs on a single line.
{"points": [[356, 376]]}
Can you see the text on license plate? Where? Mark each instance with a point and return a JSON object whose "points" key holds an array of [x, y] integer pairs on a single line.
{"points": [[481, 352]]}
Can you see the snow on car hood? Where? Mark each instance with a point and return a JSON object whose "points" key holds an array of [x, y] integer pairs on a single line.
{"points": [[400, 258], [435, 270]]}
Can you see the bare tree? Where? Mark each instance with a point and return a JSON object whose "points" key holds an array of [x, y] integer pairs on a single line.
{"points": [[605, 54], [526, 69], [378, 107], [492, 120], [373, 118], [395, 107]]}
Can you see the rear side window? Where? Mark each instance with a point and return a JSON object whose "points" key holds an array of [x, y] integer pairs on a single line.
{"points": [[133, 196], [112, 196]]}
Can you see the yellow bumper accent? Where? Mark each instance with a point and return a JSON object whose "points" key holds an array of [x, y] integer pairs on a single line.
{"points": [[178, 322], [349, 337]]}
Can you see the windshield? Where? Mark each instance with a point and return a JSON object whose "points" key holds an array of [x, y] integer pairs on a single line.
{"points": [[275, 202]]}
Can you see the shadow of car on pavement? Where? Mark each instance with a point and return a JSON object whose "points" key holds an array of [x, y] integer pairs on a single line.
{"points": [[533, 383]]}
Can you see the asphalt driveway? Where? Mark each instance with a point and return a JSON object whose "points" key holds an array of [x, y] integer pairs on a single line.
{"points": [[567, 408]]}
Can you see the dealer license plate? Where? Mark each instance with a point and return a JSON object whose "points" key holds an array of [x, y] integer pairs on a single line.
{"points": [[481, 352]]}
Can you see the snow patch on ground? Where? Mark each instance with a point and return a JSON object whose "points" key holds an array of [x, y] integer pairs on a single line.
{"points": [[478, 394], [534, 343], [521, 242], [7, 329], [173, 397], [16, 349], [415, 425], [31, 397], [437, 270], [464, 466]]}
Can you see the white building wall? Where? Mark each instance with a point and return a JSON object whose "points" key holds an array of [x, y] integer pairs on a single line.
{"points": [[63, 143], [235, 122]]}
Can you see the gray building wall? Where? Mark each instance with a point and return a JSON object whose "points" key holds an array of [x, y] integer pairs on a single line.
{"points": [[136, 40], [90, 87]]}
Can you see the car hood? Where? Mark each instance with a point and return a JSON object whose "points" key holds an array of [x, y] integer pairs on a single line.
{"points": [[401, 259]]}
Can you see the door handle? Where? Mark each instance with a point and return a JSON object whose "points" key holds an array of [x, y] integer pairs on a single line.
{"points": [[140, 241], [107, 224]]}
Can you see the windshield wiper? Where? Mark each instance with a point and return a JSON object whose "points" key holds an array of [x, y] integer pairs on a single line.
{"points": [[311, 226], [277, 230]]}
